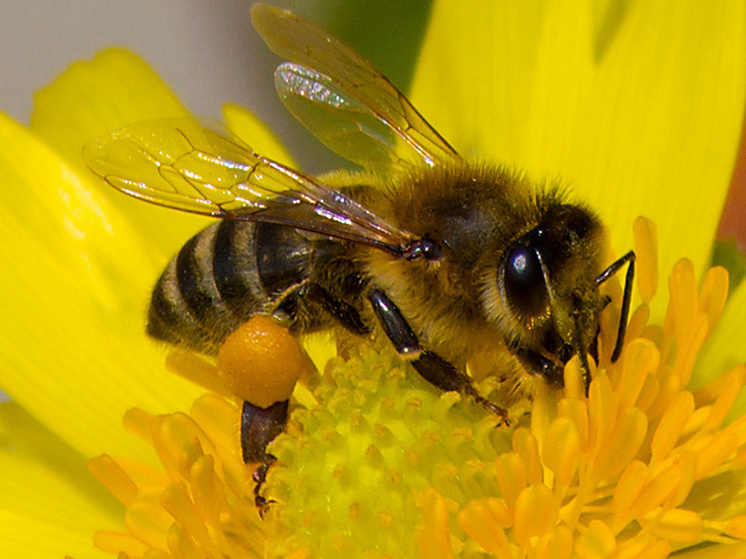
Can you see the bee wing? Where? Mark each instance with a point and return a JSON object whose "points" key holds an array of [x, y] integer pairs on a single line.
{"points": [[349, 105], [179, 164]]}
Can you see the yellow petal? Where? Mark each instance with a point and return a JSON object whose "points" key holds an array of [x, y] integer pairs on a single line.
{"points": [[94, 98], [473, 81], [655, 115], [48, 507], [72, 347]]}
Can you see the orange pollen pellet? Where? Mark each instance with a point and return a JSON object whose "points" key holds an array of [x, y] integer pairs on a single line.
{"points": [[261, 362]]}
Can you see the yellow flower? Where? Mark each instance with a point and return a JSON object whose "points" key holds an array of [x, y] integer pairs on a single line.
{"points": [[637, 105]]}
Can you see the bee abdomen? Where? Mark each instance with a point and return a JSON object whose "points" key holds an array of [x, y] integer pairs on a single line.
{"points": [[208, 289]]}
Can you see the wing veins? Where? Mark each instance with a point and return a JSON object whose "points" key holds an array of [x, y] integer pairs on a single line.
{"points": [[177, 164], [307, 44]]}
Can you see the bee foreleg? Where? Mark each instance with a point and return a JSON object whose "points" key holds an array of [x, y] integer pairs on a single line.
{"points": [[431, 366], [629, 259]]}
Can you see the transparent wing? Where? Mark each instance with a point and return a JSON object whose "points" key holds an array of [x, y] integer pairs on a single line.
{"points": [[179, 164], [343, 100], [343, 124]]}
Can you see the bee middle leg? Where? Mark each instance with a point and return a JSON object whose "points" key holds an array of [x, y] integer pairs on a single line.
{"points": [[431, 366], [311, 294]]}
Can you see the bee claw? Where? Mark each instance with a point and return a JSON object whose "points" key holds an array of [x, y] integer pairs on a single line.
{"points": [[262, 505], [259, 476], [501, 413]]}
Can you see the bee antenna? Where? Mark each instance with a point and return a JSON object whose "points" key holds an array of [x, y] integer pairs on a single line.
{"points": [[626, 297]]}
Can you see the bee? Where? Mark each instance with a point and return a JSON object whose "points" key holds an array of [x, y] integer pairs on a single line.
{"points": [[454, 261]]}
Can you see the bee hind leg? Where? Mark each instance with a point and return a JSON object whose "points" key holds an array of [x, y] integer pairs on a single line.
{"points": [[431, 366], [259, 427]]}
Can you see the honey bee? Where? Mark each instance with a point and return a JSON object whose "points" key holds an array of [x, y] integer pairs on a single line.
{"points": [[453, 261]]}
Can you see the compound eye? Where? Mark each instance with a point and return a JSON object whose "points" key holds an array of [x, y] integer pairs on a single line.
{"points": [[525, 287]]}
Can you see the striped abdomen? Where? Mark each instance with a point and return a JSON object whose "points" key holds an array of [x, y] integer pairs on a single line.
{"points": [[222, 277]]}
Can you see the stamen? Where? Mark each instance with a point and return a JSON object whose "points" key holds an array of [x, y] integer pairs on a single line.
{"points": [[596, 541], [682, 305], [511, 475], [626, 493], [676, 525], [671, 426], [535, 512], [561, 451], [641, 358], [713, 295], [574, 379], [527, 447], [197, 369], [622, 445], [646, 249], [656, 491], [435, 540], [713, 451], [114, 478], [735, 527], [730, 389], [120, 543], [638, 321], [484, 521]]}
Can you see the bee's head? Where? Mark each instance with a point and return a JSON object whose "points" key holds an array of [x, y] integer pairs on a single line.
{"points": [[546, 282]]}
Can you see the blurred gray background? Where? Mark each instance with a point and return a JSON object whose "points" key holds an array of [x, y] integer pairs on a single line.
{"points": [[206, 51]]}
